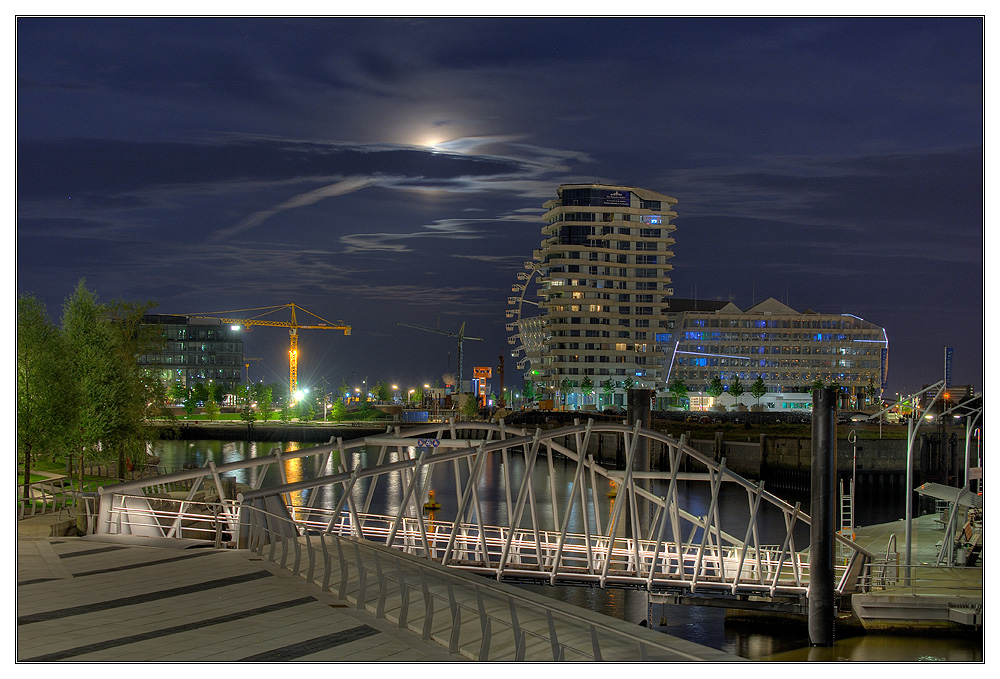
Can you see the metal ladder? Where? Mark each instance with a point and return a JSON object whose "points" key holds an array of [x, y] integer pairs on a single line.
{"points": [[847, 508]]}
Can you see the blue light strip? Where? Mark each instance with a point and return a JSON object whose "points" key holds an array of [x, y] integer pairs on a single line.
{"points": [[699, 353]]}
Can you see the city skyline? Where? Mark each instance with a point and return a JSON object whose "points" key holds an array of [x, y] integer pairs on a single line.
{"points": [[393, 170]]}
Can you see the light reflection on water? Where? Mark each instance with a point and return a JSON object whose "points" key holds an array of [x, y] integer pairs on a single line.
{"points": [[703, 625]]}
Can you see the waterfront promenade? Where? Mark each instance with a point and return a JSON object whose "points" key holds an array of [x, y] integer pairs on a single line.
{"points": [[114, 598]]}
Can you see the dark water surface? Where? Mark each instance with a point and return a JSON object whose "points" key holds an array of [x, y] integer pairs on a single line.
{"points": [[703, 625]]}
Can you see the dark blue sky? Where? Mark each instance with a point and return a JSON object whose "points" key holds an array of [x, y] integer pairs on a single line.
{"points": [[379, 171]]}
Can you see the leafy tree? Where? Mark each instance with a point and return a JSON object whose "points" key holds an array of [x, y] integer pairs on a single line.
{"points": [[529, 391], [178, 392], [41, 396], [564, 386], [758, 388], [679, 390], [344, 390], [189, 402], [286, 412], [265, 402], [212, 409], [119, 398], [628, 383], [382, 393], [715, 387], [736, 388], [244, 396], [871, 391], [470, 409], [818, 384], [305, 410], [608, 387], [587, 386], [338, 410], [199, 392]]}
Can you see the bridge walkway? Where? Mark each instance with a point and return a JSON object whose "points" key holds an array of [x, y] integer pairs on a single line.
{"points": [[127, 598]]}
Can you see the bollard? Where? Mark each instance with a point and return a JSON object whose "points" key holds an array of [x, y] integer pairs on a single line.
{"points": [[823, 513]]}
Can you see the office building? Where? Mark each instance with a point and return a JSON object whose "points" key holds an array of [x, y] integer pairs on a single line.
{"points": [[196, 350], [788, 349]]}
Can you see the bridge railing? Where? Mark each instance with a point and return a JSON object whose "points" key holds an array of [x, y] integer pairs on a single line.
{"points": [[644, 539], [554, 557], [469, 615]]}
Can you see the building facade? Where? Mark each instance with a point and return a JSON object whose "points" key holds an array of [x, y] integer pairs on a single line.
{"points": [[604, 288], [196, 350], [788, 349]]}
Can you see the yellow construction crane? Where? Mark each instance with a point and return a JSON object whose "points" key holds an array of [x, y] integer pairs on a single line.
{"points": [[293, 331]]}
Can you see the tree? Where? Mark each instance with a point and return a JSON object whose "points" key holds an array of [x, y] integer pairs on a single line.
{"points": [[715, 387], [872, 393], [178, 392], [338, 410], [470, 409], [244, 396], [265, 402], [564, 386], [41, 397], [818, 384], [529, 391], [286, 412], [189, 402], [608, 387], [758, 388], [199, 392], [679, 390], [382, 393], [736, 388], [212, 409], [587, 386], [119, 398]]}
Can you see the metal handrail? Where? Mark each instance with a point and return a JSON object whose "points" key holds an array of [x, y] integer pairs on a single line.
{"points": [[382, 575]]}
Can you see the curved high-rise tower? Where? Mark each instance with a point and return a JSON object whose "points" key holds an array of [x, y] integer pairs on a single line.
{"points": [[604, 288]]}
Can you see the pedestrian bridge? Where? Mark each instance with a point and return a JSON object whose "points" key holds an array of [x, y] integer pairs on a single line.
{"points": [[558, 529]]}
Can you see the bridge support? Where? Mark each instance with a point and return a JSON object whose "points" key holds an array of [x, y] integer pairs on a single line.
{"points": [[822, 612]]}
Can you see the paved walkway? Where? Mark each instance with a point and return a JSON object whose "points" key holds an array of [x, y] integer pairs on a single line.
{"points": [[102, 599]]}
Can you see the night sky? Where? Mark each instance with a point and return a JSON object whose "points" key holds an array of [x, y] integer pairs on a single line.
{"points": [[377, 171]]}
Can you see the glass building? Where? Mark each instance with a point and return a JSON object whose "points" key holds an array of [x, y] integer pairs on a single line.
{"points": [[788, 349], [196, 350]]}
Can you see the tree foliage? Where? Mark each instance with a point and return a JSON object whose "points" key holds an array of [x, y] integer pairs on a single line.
{"points": [[715, 388], [679, 390], [758, 388], [736, 388], [117, 398], [41, 399]]}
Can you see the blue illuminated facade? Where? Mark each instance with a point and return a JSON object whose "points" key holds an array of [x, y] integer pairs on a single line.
{"points": [[789, 350]]}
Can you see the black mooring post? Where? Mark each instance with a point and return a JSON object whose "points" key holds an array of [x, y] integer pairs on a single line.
{"points": [[640, 409], [823, 512]]}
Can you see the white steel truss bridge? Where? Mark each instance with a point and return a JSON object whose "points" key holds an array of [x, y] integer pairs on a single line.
{"points": [[510, 504]]}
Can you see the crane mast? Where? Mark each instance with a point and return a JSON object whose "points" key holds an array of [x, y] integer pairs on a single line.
{"points": [[293, 332], [461, 341]]}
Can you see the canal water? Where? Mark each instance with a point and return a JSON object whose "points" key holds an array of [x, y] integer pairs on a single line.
{"points": [[787, 642]]}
